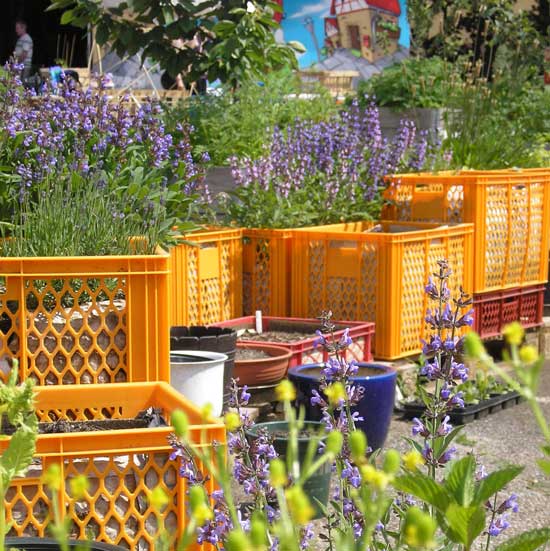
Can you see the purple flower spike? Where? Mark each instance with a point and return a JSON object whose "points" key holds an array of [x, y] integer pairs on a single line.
{"points": [[499, 525], [419, 428]]}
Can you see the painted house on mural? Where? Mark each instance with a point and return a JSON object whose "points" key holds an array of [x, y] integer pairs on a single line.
{"points": [[367, 27]]}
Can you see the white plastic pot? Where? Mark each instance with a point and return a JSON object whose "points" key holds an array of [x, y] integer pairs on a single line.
{"points": [[198, 375]]}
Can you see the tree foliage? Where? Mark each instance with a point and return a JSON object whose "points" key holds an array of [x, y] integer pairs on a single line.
{"points": [[230, 40]]}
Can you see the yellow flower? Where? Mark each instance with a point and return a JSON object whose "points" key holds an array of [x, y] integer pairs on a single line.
{"points": [[232, 421], [334, 442], [358, 445], [514, 333], [52, 478], [299, 506], [335, 393], [473, 345], [158, 498], [277, 473], [372, 476], [79, 486], [528, 354], [413, 460], [285, 391]]}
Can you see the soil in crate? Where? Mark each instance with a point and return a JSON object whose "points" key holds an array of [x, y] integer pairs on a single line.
{"points": [[362, 371], [145, 419], [276, 336]]}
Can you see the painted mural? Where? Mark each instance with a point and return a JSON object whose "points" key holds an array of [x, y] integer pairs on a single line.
{"points": [[345, 34]]}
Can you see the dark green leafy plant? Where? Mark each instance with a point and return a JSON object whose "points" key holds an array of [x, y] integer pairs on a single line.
{"points": [[481, 113], [421, 82], [230, 40]]}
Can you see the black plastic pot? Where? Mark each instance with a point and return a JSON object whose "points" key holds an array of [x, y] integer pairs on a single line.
{"points": [[469, 413], [316, 487], [47, 544], [211, 339]]}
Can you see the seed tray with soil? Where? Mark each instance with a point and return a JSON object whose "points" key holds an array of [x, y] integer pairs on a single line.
{"points": [[470, 412]]}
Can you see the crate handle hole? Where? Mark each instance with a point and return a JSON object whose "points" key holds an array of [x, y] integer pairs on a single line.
{"points": [[342, 244]]}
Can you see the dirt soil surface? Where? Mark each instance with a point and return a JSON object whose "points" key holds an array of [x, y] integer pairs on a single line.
{"points": [[250, 354]]}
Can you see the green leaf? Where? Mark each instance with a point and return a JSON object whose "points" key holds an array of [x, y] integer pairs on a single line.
{"points": [[527, 541], [544, 465], [18, 456], [464, 523], [425, 488], [460, 480], [296, 46], [67, 17], [224, 27], [495, 482]]}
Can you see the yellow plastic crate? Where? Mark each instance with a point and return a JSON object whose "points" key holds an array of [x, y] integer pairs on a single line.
{"points": [[377, 276], [266, 271], [206, 277], [510, 210], [121, 466], [86, 319]]}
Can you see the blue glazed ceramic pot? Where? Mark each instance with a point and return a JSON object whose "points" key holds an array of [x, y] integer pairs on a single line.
{"points": [[376, 407]]}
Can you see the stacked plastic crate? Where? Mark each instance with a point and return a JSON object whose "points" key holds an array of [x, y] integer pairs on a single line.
{"points": [[510, 210], [93, 332]]}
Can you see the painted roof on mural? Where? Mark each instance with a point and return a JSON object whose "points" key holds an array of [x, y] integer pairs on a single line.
{"points": [[339, 7]]}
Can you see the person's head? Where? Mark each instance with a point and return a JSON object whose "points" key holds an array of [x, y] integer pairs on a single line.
{"points": [[20, 27]]}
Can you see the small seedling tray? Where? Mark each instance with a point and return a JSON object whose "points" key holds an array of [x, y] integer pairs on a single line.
{"points": [[471, 412]]}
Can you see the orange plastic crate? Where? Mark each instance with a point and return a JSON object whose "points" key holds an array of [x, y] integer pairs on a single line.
{"points": [[377, 275], [206, 277], [510, 210], [86, 319], [266, 271], [122, 466]]}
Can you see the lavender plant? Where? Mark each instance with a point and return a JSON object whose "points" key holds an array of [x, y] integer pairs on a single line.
{"points": [[73, 145], [323, 172]]}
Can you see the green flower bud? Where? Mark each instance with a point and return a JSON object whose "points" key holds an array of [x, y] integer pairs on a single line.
{"points": [[334, 442], [358, 445], [419, 528], [513, 333], [180, 422], [237, 541], [258, 531], [392, 461], [473, 346], [277, 473], [197, 496]]}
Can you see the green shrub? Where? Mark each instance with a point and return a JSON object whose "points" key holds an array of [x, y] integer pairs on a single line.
{"points": [[240, 123]]}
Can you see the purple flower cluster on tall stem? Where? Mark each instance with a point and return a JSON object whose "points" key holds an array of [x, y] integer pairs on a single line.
{"points": [[442, 365]]}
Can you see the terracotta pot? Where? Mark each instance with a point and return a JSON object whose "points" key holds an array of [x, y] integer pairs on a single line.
{"points": [[262, 371]]}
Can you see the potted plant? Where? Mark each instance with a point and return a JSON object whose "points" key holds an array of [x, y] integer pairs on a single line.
{"points": [[260, 364], [415, 89], [86, 293], [305, 181]]}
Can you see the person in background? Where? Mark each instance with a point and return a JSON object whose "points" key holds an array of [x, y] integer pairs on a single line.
{"points": [[23, 47]]}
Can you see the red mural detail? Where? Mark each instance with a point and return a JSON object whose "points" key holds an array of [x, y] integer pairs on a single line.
{"points": [[279, 16]]}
